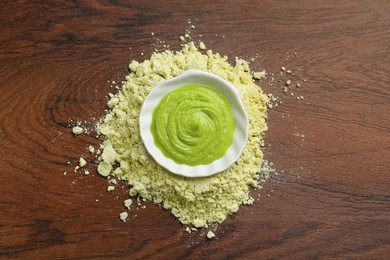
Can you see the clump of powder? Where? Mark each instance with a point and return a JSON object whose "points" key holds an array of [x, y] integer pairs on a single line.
{"points": [[196, 201]]}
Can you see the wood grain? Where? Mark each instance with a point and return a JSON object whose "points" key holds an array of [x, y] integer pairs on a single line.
{"points": [[329, 196]]}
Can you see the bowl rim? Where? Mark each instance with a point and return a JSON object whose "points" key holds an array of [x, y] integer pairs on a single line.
{"points": [[194, 76]]}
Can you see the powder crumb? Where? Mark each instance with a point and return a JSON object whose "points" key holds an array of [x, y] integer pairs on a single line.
{"points": [[86, 172], [182, 38], [82, 162], [77, 130], [104, 169], [192, 26], [288, 71], [65, 173], [210, 234], [123, 216], [249, 201], [298, 85], [110, 188], [288, 82], [272, 98], [128, 203], [259, 75], [187, 36], [198, 223], [91, 149], [283, 68], [76, 168], [202, 46], [188, 230]]}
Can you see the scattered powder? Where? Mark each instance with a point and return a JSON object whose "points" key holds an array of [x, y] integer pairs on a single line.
{"points": [[288, 84], [196, 201]]}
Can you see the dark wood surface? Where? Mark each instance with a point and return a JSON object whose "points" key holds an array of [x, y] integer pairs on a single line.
{"points": [[330, 195]]}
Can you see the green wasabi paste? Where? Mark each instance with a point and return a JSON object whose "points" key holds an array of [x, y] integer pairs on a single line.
{"points": [[193, 125]]}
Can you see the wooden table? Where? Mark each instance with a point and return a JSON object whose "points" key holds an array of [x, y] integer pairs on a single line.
{"points": [[329, 196]]}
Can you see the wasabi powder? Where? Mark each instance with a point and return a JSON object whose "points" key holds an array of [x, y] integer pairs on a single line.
{"points": [[196, 201]]}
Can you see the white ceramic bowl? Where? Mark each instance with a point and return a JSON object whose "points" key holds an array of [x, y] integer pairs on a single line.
{"points": [[188, 77]]}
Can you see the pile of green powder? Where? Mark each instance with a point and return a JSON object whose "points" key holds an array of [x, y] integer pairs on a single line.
{"points": [[196, 201]]}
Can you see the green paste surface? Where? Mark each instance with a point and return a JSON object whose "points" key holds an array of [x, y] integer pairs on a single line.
{"points": [[193, 125]]}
